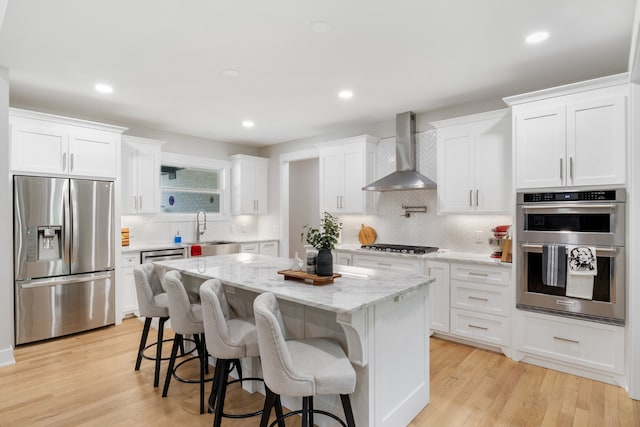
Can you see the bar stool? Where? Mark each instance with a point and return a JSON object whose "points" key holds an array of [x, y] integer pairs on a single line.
{"points": [[300, 367], [229, 339], [152, 303], [186, 319]]}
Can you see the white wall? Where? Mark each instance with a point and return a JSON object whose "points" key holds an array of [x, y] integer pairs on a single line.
{"points": [[304, 208], [633, 246], [6, 226]]}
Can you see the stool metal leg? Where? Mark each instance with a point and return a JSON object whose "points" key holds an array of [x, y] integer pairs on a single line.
{"points": [[269, 401], [222, 392], [156, 375], [310, 410], [305, 412], [143, 341], [177, 342], [348, 412]]}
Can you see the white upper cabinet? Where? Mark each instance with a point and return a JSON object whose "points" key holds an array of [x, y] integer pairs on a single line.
{"points": [[249, 185], [140, 172], [575, 135], [52, 145], [474, 169], [346, 166]]}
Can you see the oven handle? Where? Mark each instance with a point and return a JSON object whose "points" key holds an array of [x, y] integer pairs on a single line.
{"points": [[609, 206], [611, 252]]}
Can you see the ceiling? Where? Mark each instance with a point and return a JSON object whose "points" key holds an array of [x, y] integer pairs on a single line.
{"points": [[165, 59]]}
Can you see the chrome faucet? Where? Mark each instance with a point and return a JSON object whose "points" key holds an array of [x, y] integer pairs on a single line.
{"points": [[200, 227]]}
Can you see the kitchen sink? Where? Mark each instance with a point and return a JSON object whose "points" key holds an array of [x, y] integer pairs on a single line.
{"points": [[217, 247]]}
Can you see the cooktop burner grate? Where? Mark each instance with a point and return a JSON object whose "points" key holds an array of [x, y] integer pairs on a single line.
{"points": [[404, 249]]}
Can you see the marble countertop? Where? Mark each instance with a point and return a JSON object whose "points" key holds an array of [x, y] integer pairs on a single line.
{"points": [[440, 255], [355, 290]]}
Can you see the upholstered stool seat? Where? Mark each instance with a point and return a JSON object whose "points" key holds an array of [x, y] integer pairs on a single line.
{"points": [[229, 339], [300, 367], [186, 319]]}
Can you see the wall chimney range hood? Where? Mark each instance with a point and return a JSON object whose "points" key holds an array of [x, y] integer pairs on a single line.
{"points": [[406, 177]]}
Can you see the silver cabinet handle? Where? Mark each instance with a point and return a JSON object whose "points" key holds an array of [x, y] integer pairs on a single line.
{"points": [[600, 251], [71, 162], [470, 198], [135, 202], [478, 298], [603, 206], [338, 202], [257, 205], [566, 340], [561, 168], [477, 327], [383, 264], [477, 197], [571, 168], [139, 202], [64, 162], [471, 273]]}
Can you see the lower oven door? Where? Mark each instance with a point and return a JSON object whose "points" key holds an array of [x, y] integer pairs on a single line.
{"points": [[607, 304]]}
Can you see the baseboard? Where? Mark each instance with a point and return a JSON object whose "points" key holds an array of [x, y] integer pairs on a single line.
{"points": [[6, 356]]}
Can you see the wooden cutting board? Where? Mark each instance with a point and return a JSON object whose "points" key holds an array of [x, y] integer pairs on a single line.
{"points": [[367, 235]]}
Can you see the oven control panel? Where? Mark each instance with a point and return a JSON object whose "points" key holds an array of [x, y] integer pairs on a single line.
{"points": [[570, 196]]}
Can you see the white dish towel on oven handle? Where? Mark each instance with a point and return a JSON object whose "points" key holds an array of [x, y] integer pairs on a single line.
{"points": [[582, 267]]}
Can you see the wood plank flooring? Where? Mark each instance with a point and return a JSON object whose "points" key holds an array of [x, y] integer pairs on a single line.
{"points": [[88, 380]]}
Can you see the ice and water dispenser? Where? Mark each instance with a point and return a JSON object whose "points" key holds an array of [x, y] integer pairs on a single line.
{"points": [[44, 242]]}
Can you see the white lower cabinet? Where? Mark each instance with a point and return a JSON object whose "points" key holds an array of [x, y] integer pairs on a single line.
{"points": [[130, 260], [250, 248], [343, 257], [269, 248], [480, 303], [439, 296], [580, 343]]}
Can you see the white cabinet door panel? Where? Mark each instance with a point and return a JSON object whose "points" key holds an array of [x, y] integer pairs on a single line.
{"points": [[596, 142], [439, 296], [92, 154], [481, 327], [39, 149], [540, 148]]}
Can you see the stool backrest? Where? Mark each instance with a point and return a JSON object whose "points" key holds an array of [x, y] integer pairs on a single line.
{"points": [[215, 314], [180, 309], [278, 369], [147, 286]]}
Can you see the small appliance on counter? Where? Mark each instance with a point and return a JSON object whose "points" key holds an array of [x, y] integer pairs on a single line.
{"points": [[501, 239]]}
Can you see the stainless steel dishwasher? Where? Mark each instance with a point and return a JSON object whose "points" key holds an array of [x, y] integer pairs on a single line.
{"points": [[162, 254]]}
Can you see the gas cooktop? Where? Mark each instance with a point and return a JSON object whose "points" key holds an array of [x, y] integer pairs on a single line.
{"points": [[403, 249]]}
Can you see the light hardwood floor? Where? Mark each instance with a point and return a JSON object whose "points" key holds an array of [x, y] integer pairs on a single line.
{"points": [[88, 380]]}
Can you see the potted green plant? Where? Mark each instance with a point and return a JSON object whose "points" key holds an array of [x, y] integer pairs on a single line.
{"points": [[323, 239]]}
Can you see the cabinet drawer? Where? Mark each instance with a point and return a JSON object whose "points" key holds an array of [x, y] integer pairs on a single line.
{"points": [[589, 344], [480, 327], [484, 298], [480, 273], [388, 263], [269, 248], [130, 260], [250, 248]]}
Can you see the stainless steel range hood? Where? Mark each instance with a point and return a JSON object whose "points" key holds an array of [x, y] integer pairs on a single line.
{"points": [[406, 177]]}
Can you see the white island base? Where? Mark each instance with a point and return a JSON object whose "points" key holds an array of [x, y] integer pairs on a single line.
{"points": [[387, 340]]}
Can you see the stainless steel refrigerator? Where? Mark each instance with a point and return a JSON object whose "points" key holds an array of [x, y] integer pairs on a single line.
{"points": [[64, 256]]}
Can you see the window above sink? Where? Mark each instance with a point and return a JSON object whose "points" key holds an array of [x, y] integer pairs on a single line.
{"points": [[190, 184]]}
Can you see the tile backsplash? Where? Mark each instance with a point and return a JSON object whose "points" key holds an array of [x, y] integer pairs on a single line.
{"points": [[453, 232]]}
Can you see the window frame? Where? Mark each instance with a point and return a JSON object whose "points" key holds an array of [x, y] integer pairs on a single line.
{"points": [[224, 168]]}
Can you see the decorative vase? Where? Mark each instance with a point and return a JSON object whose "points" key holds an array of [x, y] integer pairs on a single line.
{"points": [[324, 263]]}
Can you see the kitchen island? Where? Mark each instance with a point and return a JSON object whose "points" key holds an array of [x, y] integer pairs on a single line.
{"points": [[381, 318]]}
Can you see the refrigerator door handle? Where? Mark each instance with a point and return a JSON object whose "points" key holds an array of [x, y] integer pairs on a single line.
{"points": [[66, 216], [43, 283], [73, 208]]}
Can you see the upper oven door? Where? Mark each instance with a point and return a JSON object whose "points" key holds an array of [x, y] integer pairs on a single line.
{"points": [[573, 223]]}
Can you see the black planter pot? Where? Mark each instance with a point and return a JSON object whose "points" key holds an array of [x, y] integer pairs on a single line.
{"points": [[324, 263]]}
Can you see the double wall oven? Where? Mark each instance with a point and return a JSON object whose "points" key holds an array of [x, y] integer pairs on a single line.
{"points": [[569, 219]]}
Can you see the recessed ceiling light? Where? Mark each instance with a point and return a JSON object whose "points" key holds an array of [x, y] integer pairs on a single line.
{"points": [[345, 94], [103, 88], [248, 124], [230, 72], [320, 27], [537, 37]]}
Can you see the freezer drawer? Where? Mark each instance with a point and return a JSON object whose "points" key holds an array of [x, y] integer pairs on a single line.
{"points": [[47, 308]]}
